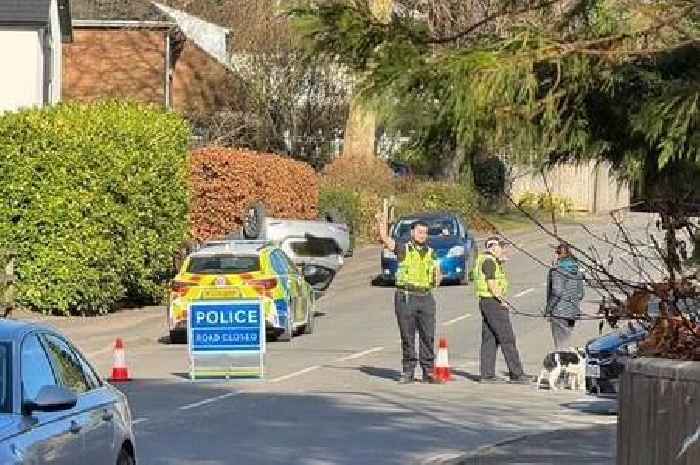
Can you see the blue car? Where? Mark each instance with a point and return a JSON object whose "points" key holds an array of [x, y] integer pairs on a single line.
{"points": [[453, 243]]}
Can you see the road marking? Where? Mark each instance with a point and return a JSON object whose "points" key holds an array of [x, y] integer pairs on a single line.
{"points": [[525, 292], [455, 320], [139, 420], [295, 374], [208, 401], [316, 367], [360, 354]]}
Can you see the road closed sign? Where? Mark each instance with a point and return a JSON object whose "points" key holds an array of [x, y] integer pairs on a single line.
{"points": [[226, 338]]}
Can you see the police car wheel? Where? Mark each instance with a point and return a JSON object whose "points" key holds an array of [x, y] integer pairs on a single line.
{"points": [[309, 326], [178, 337]]}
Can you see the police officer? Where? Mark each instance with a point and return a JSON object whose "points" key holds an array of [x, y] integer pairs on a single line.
{"points": [[418, 273], [491, 286]]}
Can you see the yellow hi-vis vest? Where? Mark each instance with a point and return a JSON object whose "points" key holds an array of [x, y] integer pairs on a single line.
{"points": [[480, 286], [416, 271]]}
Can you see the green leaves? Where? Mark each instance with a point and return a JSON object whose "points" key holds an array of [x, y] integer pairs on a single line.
{"points": [[95, 203]]}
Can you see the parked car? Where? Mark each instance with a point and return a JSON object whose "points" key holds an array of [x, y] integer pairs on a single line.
{"points": [[453, 243], [606, 356], [54, 407], [246, 270]]}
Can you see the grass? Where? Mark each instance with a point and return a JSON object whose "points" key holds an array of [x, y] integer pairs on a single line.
{"points": [[515, 221]]}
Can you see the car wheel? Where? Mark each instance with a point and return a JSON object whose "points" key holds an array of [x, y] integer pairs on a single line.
{"points": [[178, 337], [253, 221], [125, 458], [309, 326]]}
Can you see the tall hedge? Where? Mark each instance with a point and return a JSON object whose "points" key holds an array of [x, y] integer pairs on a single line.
{"points": [[94, 200], [224, 182]]}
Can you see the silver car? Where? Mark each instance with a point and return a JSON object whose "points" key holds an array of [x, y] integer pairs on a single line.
{"points": [[54, 408]]}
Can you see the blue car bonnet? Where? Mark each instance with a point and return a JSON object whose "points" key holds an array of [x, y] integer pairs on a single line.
{"points": [[611, 342]]}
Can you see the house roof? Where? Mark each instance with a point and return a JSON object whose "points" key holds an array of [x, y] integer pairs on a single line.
{"points": [[24, 11], [116, 10]]}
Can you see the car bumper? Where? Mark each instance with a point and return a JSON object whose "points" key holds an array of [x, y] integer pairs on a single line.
{"points": [[603, 376]]}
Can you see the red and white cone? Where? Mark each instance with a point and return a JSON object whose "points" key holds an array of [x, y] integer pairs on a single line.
{"points": [[120, 372], [442, 364]]}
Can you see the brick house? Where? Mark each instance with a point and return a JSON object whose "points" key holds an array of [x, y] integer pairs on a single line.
{"points": [[134, 50]]}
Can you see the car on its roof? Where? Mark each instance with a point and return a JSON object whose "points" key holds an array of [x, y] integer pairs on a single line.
{"points": [[54, 407], [243, 269], [453, 243]]}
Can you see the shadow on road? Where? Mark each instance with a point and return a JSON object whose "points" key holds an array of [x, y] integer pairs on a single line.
{"points": [[379, 372], [593, 405], [467, 375]]}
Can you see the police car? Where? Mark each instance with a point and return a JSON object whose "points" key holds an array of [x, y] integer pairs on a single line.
{"points": [[245, 269]]}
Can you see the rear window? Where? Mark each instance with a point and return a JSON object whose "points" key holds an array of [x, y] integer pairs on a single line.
{"points": [[223, 264], [5, 378]]}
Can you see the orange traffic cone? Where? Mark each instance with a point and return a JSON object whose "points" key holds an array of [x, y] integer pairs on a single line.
{"points": [[442, 364], [120, 372]]}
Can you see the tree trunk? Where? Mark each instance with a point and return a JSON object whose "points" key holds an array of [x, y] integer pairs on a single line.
{"points": [[362, 122], [452, 164]]}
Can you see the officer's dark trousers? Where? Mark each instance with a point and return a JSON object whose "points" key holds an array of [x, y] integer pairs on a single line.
{"points": [[416, 311], [497, 330]]}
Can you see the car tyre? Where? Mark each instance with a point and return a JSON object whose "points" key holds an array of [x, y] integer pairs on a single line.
{"points": [[125, 458], [178, 337], [253, 221]]}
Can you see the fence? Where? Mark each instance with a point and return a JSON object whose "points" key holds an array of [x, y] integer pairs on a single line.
{"points": [[592, 187], [659, 422]]}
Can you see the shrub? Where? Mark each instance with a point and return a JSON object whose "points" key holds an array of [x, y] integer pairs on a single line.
{"points": [[532, 201], [436, 197], [94, 203], [490, 178], [224, 182], [359, 175]]}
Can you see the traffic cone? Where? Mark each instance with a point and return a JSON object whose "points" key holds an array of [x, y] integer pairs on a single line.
{"points": [[120, 372], [442, 364]]}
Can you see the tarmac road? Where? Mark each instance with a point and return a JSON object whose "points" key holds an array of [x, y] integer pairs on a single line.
{"points": [[331, 397]]}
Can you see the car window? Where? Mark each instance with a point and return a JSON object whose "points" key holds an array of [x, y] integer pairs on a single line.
{"points": [[291, 266], [35, 368], [223, 264], [5, 378], [278, 263], [68, 366], [91, 377], [436, 227]]}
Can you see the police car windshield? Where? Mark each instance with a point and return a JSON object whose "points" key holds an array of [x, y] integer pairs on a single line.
{"points": [[223, 264], [438, 227]]}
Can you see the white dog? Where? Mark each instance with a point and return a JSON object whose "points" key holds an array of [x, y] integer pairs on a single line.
{"points": [[564, 367]]}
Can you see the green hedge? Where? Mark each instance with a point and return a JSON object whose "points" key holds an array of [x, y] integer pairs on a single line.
{"points": [[438, 197], [94, 203]]}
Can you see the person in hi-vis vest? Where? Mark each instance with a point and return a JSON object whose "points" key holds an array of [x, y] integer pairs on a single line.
{"points": [[491, 287], [418, 274]]}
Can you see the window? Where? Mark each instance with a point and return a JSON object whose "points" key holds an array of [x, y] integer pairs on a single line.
{"points": [[35, 367], [436, 227], [223, 264], [290, 264], [5, 378], [278, 263], [69, 369]]}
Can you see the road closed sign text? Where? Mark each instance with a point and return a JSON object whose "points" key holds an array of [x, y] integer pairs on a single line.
{"points": [[226, 326]]}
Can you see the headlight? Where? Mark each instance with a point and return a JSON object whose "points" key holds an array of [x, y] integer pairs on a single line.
{"points": [[456, 251], [388, 254]]}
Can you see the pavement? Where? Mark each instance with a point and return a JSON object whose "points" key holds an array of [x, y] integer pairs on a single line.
{"points": [[332, 397]]}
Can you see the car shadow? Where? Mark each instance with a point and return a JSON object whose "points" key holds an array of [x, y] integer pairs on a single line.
{"points": [[467, 375], [379, 372]]}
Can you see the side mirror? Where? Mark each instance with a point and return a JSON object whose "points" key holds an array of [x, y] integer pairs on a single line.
{"points": [[51, 399]]}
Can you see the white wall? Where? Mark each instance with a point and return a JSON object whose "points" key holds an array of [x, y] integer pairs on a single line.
{"points": [[22, 56]]}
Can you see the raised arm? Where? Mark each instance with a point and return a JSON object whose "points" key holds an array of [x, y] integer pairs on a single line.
{"points": [[388, 242]]}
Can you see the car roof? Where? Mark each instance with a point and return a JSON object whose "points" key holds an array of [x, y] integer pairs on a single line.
{"points": [[230, 248], [14, 329], [428, 216]]}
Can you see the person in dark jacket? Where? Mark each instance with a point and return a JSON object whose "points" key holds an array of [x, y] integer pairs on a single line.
{"points": [[564, 295]]}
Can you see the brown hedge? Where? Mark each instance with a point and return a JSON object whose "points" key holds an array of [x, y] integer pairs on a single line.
{"points": [[223, 182]]}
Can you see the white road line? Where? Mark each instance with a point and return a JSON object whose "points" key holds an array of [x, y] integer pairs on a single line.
{"points": [[208, 401], [360, 354], [525, 292], [455, 320], [316, 367], [139, 420], [295, 374]]}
